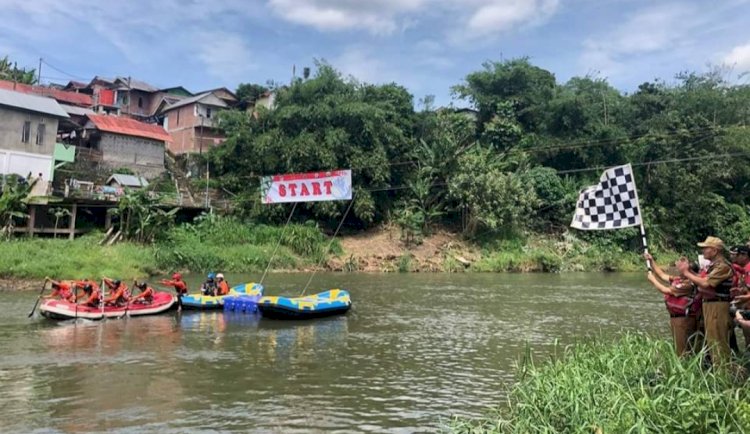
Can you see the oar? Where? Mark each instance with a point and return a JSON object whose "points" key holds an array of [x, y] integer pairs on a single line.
{"points": [[36, 303]]}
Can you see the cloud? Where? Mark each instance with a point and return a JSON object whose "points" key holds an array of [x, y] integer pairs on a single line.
{"points": [[225, 55], [656, 29], [739, 57], [496, 16], [376, 16], [470, 18]]}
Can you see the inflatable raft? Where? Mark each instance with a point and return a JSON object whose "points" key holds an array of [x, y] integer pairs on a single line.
{"points": [[328, 303], [61, 309], [205, 302]]}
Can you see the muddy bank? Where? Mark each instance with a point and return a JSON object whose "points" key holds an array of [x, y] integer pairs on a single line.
{"points": [[21, 284]]}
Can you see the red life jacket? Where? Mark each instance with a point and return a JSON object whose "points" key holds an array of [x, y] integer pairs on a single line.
{"points": [[684, 305]]}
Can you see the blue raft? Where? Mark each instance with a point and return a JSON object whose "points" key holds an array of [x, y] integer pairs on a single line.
{"points": [[328, 303], [200, 301]]}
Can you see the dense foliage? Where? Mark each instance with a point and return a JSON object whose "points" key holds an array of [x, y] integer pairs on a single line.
{"points": [[9, 70], [637, 384], [511, 166]]}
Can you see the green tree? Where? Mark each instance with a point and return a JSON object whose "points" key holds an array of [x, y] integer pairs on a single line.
{"points": [[13, 202], [324, 123], [10, 71]]}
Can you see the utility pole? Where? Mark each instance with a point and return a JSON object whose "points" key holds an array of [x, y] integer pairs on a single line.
{"points": [[39, 72]]}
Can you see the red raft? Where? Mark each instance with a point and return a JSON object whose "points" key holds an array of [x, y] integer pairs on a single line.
{"points": [[61, 309]]}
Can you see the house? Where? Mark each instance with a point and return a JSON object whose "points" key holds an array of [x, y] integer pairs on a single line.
{"points": [[127, 181], [224, 94], [28, 133], [192, 123], [125, 96], [61, 96], [123, 142]]}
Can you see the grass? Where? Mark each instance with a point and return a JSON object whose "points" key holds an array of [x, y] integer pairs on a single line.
{"points": [[634, 385], [542, 253], [64, 259], [213, 244]]}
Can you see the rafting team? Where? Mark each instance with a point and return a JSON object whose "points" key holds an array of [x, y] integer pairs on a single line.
{"points": [[88, 293], [706, 304]]}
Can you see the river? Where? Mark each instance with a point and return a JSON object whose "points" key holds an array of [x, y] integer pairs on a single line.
{"points": [[414, 350]]}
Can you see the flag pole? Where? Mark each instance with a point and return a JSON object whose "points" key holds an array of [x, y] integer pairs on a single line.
{"points": [[640, 212]]}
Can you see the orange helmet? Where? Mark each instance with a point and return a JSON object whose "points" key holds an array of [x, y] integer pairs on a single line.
{"points": [[176, 276]]}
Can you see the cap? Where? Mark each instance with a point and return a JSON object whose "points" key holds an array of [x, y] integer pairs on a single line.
{"points": [[714, 242], [219, 276]]}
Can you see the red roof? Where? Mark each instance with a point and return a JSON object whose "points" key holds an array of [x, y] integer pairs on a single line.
{"points": [[79, 99], [129, 127]]}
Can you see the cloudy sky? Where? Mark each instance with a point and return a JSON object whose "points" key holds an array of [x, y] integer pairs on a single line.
{"points": [[426, 45]]}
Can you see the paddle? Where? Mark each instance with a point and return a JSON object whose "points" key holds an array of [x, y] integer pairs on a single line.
{"points": [[36, 303]]}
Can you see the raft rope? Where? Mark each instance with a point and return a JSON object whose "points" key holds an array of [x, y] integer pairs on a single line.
{"points": [[283, 231], [330, 244]]}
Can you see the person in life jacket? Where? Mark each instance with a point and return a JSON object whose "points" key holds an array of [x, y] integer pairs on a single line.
{"points": [[715, 289], [740, 284], [179, 286], [80, 285], [146, 296], [92, 296], [683, 303], [209, 286], [62, 290], [222, 285], [118, 293]]}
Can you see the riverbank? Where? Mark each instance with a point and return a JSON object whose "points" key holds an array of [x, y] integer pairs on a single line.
{"points": [[636, 384], [229, 246]]}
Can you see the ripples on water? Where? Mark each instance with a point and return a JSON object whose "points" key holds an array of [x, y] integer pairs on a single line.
{"points": [[415, 349]]}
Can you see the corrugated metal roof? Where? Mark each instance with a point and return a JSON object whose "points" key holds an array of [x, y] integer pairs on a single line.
{"points": [[78, 111], [32, 103], [129, 127], [197, 98], [128, 180], [136, 84], [74, 98]]}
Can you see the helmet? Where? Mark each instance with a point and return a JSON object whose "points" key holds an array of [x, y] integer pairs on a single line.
{"points": [[211, 275], [117, 282], [177, 276], [88, 288], [219, 276], [141, 285]]}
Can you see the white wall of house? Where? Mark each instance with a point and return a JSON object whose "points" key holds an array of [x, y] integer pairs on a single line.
{"points": [[23, 163]]}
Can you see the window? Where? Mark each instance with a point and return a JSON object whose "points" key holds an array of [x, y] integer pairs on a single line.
{"points": [[40, 130], [26, 132], [178, 117], [140, 102], [208, 112]]}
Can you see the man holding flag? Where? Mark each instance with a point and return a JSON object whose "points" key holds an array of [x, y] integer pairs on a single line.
{"points": [[715, 288]]}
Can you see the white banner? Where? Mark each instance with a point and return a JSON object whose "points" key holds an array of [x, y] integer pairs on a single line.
{"points": [[307, 187]]}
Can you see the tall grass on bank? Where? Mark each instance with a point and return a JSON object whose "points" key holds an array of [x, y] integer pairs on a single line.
{"points": [[635, 385], [35, 258], [230, 245]]}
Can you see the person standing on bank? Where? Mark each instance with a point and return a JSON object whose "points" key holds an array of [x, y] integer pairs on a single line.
{"points": [[715, 289], [683, 304]]}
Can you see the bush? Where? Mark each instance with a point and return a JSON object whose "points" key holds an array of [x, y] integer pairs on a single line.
{"points": [[637, 384]]}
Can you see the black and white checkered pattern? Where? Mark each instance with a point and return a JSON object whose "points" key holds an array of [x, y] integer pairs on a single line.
{"points": [[611, 204]]}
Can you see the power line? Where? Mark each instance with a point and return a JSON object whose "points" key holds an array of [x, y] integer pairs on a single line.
{"points": [[63, 72]]}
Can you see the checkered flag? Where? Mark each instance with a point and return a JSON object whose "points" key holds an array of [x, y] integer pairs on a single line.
{"points": [[611, 204]]}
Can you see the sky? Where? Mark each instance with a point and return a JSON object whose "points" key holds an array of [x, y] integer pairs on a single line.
{"points": [[426, 45]]}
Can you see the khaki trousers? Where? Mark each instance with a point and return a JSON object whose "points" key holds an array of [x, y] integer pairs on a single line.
{"points": [[682, 329], [718, 324]]}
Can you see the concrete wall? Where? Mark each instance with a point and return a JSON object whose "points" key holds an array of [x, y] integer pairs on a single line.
{"points": [[143, 156], [11, 127]]}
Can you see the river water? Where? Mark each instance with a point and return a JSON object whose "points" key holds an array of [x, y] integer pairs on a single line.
{"points": [[414, 350]]}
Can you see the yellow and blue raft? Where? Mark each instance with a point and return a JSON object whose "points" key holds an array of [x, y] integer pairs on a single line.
{"points": [[328, 303], [200, 301]]}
